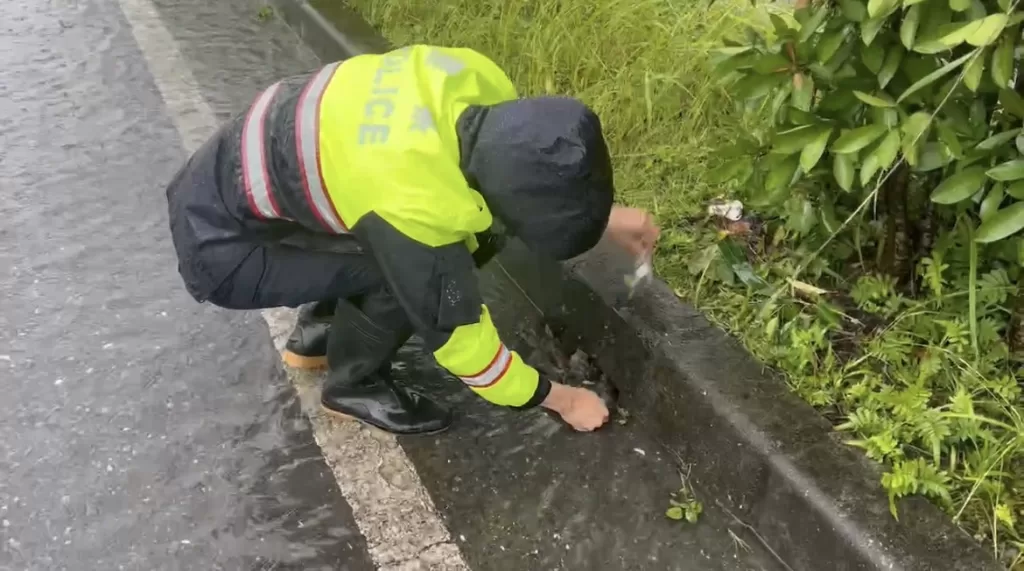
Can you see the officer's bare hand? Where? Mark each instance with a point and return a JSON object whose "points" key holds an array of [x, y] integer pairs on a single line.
{"points": [[634, 229], [580, 408]]}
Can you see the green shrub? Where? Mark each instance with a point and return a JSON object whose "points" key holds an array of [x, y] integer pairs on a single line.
{"points": [[890, 168]]}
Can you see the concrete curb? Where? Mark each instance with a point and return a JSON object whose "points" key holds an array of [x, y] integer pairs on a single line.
{"points": [[760, 452]]}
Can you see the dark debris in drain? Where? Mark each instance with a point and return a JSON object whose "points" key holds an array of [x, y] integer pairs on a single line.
{"points": [[553, 354]]}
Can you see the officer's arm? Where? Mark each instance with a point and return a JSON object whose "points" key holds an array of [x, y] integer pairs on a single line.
{"points": [[438, 289]]}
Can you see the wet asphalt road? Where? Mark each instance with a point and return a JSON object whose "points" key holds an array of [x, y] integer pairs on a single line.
{"points": [[140, 430]]}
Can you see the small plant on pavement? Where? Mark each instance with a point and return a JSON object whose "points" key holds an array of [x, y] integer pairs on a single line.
{"points": [[265, 14], [683, 505]]}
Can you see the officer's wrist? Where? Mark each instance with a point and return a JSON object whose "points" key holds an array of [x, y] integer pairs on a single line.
{"points": [[559, 398]]}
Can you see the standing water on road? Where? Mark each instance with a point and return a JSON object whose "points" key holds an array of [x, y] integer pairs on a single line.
{"points": [[138, 429]]}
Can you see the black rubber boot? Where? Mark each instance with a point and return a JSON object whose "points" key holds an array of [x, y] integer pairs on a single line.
{"points": [[307, 345], [359, 385]]}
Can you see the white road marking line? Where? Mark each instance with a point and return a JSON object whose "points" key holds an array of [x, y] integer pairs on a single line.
{"points": [[391, 507]]}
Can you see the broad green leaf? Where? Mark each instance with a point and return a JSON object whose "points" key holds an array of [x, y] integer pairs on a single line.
{"points": [[1019, 142], [868, 169], [801, 13], [1002, 63], [917, 124], [803, 92], [887, 150], [779, 108], [933, 76], [856, 139], [911, 150], [821, 72], [908, 30], [854, 10], [996, 141], [1004, 5], [801, 215], [973, 73], [977, 10], [800, 117], [992, 201], [1016, 190], [1012, 102], [738, 170], [873, 56], [874, 100], [737, 62], [892, 63], [732, 50], [771, 63], [959, 33], [936, 21], [933, 156], [914, 129], [949, 138], [909, 3], [840, 57], [782, 27], [847, 71], [795, 140], [888, 116], [930, 47], [960, 5], [988, 30], [813, 151], [781, 175], [869, 30], [958, 118], [755, 86], [1002, 224], [959, 186], [829, 44], [979, 117], [945, 88], [843, 170], [1010, 170], [808, 28], [839, 104], [881, 8]]}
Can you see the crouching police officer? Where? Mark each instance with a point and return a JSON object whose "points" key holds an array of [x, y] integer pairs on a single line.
{"points": [[371, 189]]}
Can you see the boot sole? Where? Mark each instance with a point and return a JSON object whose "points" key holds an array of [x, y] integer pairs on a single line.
{"points": [[296, 361], [340, 416]]}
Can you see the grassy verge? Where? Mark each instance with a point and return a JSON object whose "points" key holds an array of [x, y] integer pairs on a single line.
{"points": [[916, 384]]}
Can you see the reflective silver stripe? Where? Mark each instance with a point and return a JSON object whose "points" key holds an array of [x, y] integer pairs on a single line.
{"points": [[254, 157], [307, 136], [494, 372]]}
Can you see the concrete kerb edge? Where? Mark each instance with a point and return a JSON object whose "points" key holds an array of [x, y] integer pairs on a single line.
{"points": [[781, 476]]}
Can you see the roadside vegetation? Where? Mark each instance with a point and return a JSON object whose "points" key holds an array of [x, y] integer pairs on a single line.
{"points": [[876, 148]]}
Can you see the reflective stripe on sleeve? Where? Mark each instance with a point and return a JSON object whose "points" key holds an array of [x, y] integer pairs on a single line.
{"points": [[475, 354], [493, 372], [307, 137], [254, 157]]}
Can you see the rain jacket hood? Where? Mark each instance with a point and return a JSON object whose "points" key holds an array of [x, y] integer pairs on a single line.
{"points": [[543, 168]]}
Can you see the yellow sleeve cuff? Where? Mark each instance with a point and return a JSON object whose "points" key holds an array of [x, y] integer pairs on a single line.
{"points": [[475, 354]]}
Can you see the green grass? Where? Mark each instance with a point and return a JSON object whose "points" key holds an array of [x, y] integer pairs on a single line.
{"points": [[645, 67]]}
